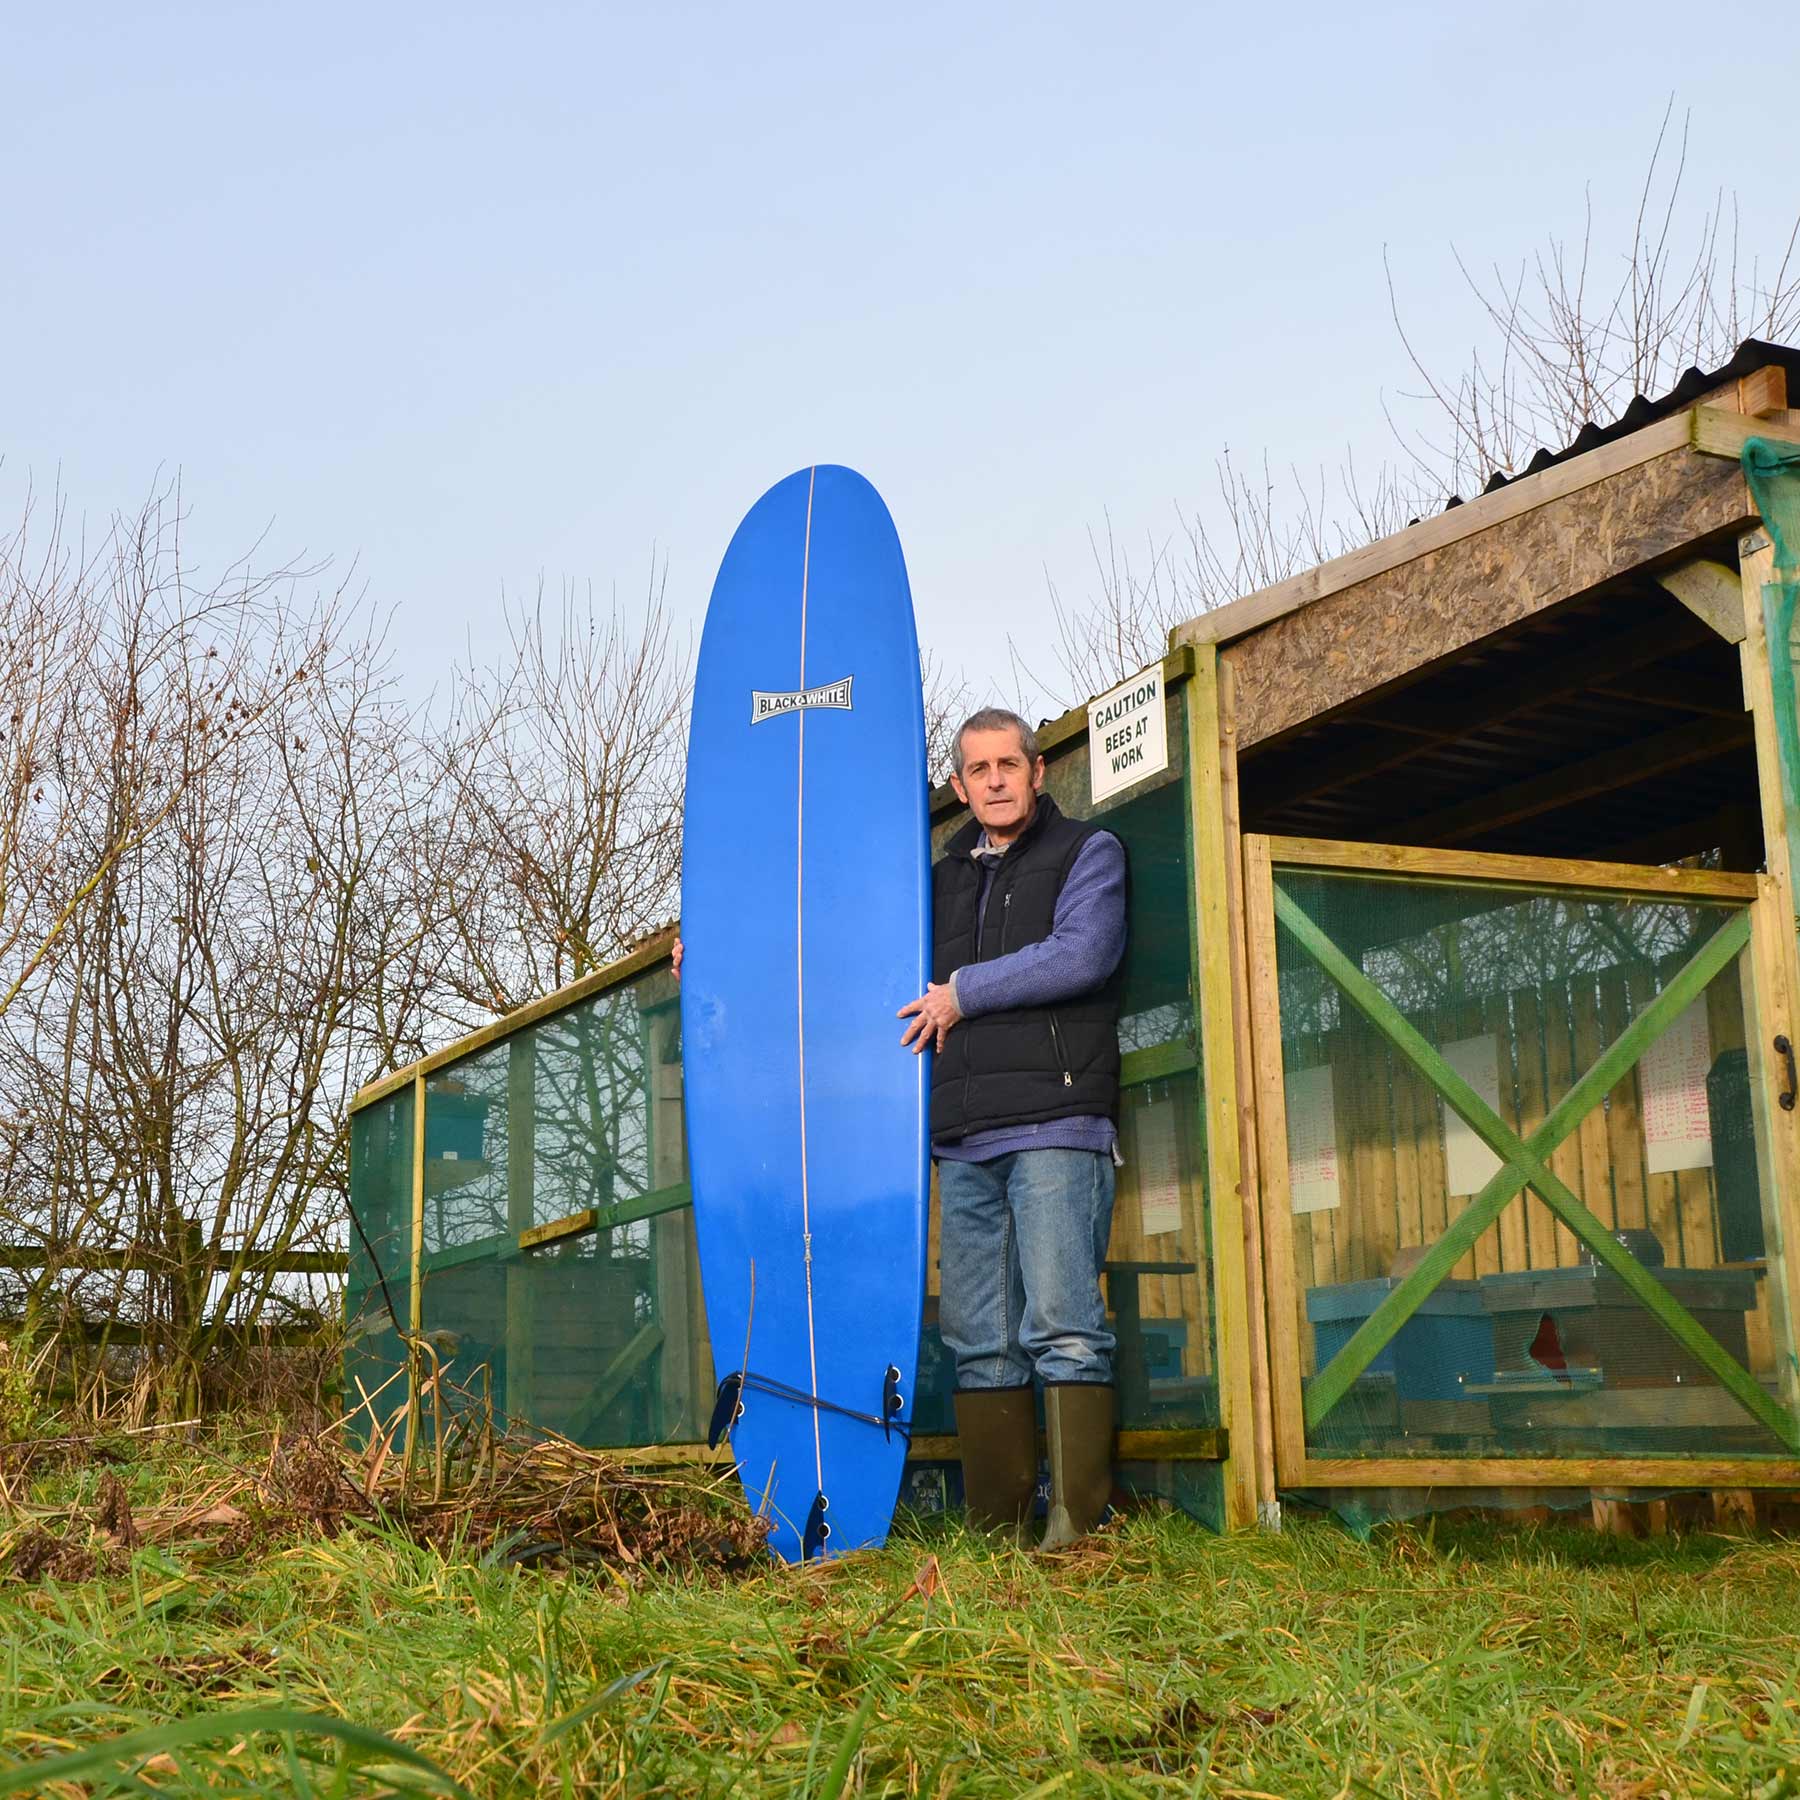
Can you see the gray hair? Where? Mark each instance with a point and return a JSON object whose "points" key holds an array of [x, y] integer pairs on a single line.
{"points": [[996, 718]]}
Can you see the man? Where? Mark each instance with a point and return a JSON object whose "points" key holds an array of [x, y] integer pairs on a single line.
{"points": [[1028, 932]]}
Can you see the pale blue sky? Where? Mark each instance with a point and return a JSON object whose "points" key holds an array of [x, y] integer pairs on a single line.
{"points": [[470, 294]]}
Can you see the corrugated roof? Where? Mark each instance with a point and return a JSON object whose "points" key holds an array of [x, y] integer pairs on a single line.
{"points": [[1752, 354]]}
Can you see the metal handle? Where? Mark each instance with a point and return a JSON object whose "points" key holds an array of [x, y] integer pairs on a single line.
{"points": [[1784, 1048]]}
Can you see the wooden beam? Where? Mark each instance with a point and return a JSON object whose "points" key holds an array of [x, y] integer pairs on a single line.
{"points": [[1492, 868], [415, 1261], [655, 949], [1711, 592], [1678, 690], [283, 1262], [1763, 393], [1721, 431], [1626, 766], [1156, 1062], [1269, 1073], [1712, 430], [1523, 1161], [230, 1337], [1661, 1472], [1441, 530], [1147, 1445], [604, 1218], [1210, 952], [1729, 829], [1772, 997], [1317, 660], [613, 1380], [1770, 1011], [1507, 699], [1268, 1498]]}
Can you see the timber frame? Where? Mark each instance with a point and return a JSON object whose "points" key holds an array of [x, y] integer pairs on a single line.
{"points": [[1567, 683], [1414, 647]]}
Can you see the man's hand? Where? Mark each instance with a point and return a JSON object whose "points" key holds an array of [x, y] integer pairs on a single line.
{"points": [[675, 959], [932, 1015]]}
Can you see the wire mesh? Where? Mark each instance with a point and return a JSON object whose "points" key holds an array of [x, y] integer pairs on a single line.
{"points": [[601, 1333], [1530, 1347], [378, 1282]]}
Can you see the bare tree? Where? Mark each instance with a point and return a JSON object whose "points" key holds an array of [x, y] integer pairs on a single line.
{"points": [[948, 701], [238, 774], [1572, 334], [1259, 531], [49, 630], [1567, 338], [559, 814]]}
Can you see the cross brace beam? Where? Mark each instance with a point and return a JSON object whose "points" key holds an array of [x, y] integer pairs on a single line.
{"points": [[1523, 1165]]}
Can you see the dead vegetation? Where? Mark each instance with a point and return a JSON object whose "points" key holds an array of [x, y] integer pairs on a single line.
{"points": [[526, 1500]]}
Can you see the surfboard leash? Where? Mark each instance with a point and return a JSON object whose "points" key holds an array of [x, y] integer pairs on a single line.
{"points": [[728, 1408], [728, 1405]]}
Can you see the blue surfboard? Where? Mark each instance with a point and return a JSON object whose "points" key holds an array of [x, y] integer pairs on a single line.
{"points": [[804, 910]]}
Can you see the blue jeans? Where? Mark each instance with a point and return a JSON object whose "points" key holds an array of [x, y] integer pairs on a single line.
{"points": [[1022, 1240]]}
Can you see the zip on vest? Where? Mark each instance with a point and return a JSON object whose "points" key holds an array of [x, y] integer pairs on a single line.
{"points": [[1056, 1044]]}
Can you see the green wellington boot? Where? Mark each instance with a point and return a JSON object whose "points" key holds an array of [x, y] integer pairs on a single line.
{"points": [[997, 1429], [1080, 1417]]}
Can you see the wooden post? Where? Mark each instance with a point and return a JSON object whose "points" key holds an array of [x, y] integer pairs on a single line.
{"points": [[1734, 1509], [521, 1269], [1214, 1015], [670, 1236], [415, 1306], [1268, 1505], [1286, 1327], [1772, 983]]}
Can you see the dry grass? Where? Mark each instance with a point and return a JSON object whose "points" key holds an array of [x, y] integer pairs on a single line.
{"points": [[534, 1634]]}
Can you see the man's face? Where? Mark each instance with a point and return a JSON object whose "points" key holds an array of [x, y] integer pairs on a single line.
{"points": [[997, 784]]}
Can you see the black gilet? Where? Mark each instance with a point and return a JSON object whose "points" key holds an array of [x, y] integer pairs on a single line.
{"points": [[1031, 1063]]}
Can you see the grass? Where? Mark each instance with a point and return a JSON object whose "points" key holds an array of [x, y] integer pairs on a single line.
{"points": [[1160, 1660]]}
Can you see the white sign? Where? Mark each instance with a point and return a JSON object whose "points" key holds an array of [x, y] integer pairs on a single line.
{"points": [[1312, 1141], [772, 706], [1468, 1162], [1158, 1168], [1672, 1080], [1128, 735]]}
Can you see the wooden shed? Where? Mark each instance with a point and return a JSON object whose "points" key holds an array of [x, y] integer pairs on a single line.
{"points": [[1459, 1115]]}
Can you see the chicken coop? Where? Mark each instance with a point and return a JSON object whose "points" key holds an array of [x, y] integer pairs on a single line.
{"points": [[1461, 1150]]}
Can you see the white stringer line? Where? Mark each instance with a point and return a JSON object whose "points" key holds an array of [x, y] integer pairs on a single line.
{"points": [[812, 1349]]}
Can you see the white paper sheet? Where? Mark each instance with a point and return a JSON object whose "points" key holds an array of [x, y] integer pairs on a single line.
{"points": [[1672, 1080], [1312, 1141], [1158, 1168], [1468, 1162]]}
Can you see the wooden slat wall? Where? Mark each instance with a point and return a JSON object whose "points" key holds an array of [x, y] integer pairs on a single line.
{"points": [[1390, 1137]]}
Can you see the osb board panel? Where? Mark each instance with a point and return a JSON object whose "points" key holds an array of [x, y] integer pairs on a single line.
{"points": [[1325, 655]]}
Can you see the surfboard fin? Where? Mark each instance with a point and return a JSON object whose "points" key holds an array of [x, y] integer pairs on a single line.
{"points": [[818, 1529], [893, 1402], [728, 1408]]}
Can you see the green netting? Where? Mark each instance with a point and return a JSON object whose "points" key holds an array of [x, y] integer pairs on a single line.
{"points": [[1159, 1281], [601, 1333], [1773, 473], [598, 1335], [1546, 1338], [1159, 1286], [380, 1261]]}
